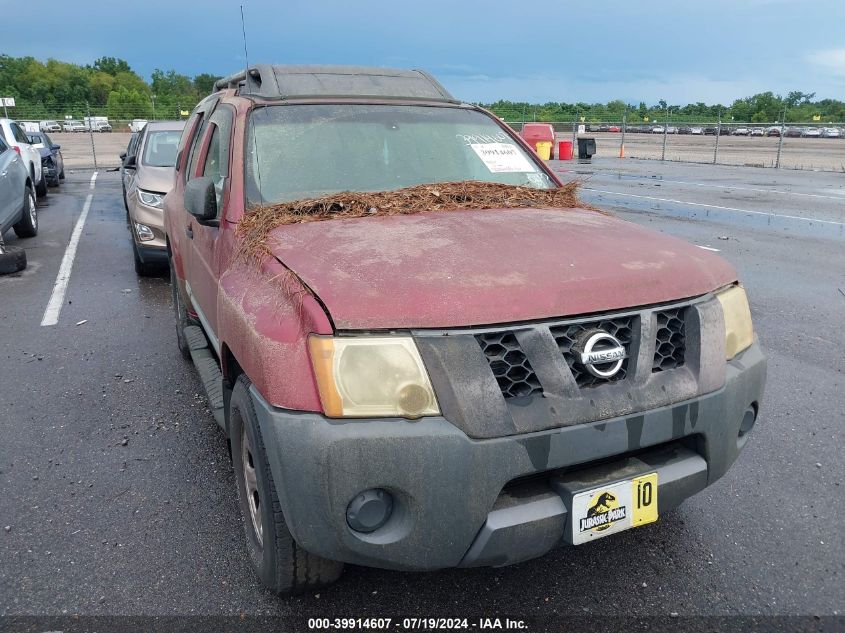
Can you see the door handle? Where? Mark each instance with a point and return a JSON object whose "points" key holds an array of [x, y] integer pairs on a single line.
{"points": [[189, 232]]}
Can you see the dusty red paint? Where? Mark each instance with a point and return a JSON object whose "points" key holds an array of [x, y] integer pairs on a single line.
{"points": [[452, 269], [429, 270]]}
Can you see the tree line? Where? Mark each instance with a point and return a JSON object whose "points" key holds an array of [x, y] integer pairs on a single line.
{"points": [[56, 89], [765, 107]]}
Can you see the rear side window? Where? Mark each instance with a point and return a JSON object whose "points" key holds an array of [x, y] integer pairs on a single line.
{"points": [[3, 146]]}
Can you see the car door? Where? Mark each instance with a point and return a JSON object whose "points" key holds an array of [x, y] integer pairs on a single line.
{"points": [[128, 171], [9, 199], [204, 260], [28, 152]]}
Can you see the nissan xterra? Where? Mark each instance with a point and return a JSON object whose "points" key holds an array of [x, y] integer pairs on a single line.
{"points": [[423, 352]]}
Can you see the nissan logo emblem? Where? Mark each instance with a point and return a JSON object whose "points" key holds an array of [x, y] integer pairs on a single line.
{"points": [[600, 353]]}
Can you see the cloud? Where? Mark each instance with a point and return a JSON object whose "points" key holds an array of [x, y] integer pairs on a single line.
{"points": [[831, 60]]}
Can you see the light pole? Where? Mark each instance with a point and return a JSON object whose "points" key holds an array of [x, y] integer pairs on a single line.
{"points": [[153, 99]]}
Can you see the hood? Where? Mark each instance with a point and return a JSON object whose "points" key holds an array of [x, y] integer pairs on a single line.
{"points": [[463, 268], [157, 179]]}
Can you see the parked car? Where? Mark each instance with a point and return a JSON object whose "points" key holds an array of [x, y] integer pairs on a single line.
{"points": [[153, 163], [52, 162], [794, 132], [17, 194], [684, 129], [101, 126], [613, 128], [50, 126], [741, 131], [657, 129], [830, 132], [16, 138], [127, 167], [724, 130], [711, 130], [696, 129], [74, 126], [442, 388], [773, 130], [812, 132], [757, 131], [670, 129]]}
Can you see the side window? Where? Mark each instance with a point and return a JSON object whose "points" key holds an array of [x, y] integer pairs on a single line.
{"points": [[3, 146], [20, 137], [196, 146], [213, 161]]}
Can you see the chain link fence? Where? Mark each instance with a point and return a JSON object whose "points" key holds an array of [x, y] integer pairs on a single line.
{"points": [[813, 145], [795, 145]]}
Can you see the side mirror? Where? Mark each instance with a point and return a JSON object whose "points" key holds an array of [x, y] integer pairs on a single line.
{"points": [[122, 156], [130, 161], [201, 200], [57, 147]]}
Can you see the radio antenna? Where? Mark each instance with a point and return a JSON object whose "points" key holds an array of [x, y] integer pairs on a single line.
{"points": [[246, 54]]}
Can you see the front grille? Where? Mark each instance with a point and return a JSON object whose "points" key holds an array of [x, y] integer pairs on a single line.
{"points": [[670, 343], [510, 366], [566, 335]]}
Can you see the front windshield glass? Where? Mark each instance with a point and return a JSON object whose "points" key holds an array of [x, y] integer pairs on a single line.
{"points": [[160, 148], [303, 151]]}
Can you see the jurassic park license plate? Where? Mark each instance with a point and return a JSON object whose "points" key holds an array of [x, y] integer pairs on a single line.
{"points": [[610, 509]]}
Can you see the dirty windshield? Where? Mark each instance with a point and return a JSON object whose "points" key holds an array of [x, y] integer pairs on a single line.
{"points": [[304, 151]]}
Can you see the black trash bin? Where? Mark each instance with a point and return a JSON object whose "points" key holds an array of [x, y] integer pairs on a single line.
{"points": [[586, 149]]}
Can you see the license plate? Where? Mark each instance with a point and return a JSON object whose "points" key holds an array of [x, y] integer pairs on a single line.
{"points": [[610, 509]]}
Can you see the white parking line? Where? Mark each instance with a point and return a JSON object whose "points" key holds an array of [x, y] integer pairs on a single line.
{"points": [[708, 248], [714, 206], [712, 186], [57, 298]]}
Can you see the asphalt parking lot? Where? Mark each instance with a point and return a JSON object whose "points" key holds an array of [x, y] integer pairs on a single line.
{"points": [[119, 497]]}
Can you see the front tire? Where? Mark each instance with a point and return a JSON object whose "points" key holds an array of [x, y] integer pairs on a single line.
{"points": [[181, 313], [27, 226], [283, 566], [141, 269]]}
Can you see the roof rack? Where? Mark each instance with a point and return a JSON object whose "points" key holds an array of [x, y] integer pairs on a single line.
{"points": [[297, 82]]}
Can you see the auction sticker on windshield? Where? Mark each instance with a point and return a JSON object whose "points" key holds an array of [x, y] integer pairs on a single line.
{"points": [[611, 509], [502, 158]]}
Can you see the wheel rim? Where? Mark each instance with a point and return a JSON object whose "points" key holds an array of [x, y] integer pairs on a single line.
{"points": [[253, 499], [33, 215]]}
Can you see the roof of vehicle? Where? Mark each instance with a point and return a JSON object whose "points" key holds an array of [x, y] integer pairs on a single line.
{"points": [[298, 82], [163, 126]]}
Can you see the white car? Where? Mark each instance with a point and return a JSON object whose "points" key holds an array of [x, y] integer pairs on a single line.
{"points": [[657, 129], [50, 126], [812, 132], [741, 131], [831, 132], [757, 131], [74, 126], [696, 130], [16, 138]]}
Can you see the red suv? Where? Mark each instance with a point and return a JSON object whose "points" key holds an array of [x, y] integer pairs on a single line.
{"points": [[422, 390]]}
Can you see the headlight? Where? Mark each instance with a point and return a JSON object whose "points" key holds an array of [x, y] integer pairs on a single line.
{"points": [[151, 199], [371, 376], [739, 333]]}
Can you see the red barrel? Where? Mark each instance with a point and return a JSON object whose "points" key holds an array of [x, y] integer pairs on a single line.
{"points": [[564, 150]]}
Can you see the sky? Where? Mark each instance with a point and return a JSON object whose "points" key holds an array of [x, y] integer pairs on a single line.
{"points": [[678, 50]]}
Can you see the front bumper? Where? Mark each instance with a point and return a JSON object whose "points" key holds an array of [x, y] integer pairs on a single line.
{"points": [[456, 501]]}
